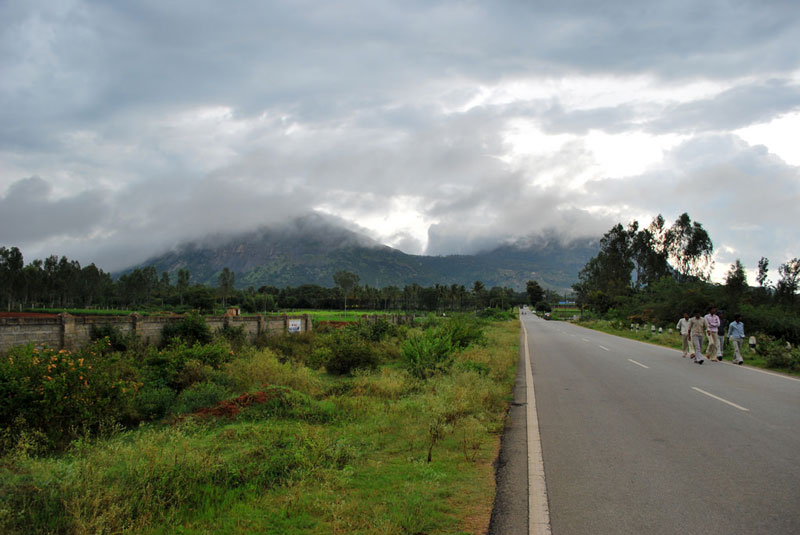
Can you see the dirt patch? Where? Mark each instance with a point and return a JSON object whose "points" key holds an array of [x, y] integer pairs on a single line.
{"points": [[337, 324]]}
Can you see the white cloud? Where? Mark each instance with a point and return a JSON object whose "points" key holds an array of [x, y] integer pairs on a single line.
{"points": [[440, 126]]}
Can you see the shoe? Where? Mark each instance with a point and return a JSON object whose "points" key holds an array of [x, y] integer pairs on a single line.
{"points": [[740, 362], [700, 362]]}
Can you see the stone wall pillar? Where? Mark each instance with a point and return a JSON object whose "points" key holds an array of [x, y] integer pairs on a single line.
{"points": [[66, 330], [136, 319], [262, 326]]}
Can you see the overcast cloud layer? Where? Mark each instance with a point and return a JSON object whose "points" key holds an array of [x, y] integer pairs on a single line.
{"points": [[441, 127]]}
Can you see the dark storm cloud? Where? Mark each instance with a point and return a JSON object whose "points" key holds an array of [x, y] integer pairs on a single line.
{"points": [[27, 213], [152, 123]]}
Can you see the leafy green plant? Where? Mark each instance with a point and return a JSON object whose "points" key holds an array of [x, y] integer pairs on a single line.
{"points": [[428, 353], [61, 393], [349, 352], [192, 328], [199, 395]]}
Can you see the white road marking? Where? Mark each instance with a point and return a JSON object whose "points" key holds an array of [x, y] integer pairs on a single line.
{"points": [[752, 369], [732, 404], [604, 348], [585, 339], [538, 512], [639, 364]]}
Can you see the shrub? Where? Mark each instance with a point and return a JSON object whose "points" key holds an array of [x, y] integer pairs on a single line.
{"points": [[463, 332], [234, 335], [199, 395], [117, 340], [349, 352], [153, 402], [428, 353], [294, 346], [374, 331], [263, 367], [777, 355], [61, 393], [192, 328]]}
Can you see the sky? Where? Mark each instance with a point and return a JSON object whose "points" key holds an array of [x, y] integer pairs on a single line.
{"points": [[436, 127]]}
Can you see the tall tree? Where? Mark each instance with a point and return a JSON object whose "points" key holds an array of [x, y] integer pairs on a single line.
{"points": [[763, 272], [690, 248], [649, 252], [227, 280], [183, 283], [736, 280], [535, 292], [345, 280], [11, 266], [790, 279]]}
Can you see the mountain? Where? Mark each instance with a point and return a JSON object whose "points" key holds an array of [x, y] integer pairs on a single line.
{"points": [[310, 250]]}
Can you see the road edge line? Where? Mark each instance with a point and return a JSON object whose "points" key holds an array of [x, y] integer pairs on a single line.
{"points": [[538, 511]]}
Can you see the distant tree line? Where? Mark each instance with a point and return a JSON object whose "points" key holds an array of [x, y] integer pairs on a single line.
{"points": [[62, 283], [654, 273]]}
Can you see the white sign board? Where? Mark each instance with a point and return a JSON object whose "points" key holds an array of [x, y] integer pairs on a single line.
{"points": [[295, 326]]}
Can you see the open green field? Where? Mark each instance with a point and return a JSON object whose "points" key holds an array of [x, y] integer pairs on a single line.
{"points": [[339, 315], [403, 445]]}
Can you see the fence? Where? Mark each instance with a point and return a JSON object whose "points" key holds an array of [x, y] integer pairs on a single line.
{"points": [[64, 331]]}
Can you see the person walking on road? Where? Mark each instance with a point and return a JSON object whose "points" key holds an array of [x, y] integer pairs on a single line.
{"points": [[713, 334], [698, 329], [736, 335], [683, 328], [723, 328]]}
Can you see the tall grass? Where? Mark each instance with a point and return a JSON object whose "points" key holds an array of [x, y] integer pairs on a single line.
{"points": [[376, 452]]}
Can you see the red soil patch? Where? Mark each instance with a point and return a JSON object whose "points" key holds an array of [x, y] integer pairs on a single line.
{"points": [[337, 324], [26, 315], [232, 407]]}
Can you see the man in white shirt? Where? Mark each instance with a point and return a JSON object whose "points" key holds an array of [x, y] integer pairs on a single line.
{"points": [[683, 328]]}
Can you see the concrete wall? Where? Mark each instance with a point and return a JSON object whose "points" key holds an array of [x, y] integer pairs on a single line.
{"points": [[71, 332]]}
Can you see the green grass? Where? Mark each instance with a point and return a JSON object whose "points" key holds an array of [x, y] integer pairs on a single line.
{"points": [[86, 311], [338, 315], [673, 340], [337, 455]]}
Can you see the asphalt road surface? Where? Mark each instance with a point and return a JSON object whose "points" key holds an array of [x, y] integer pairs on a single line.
{"points": [[637, 439]]}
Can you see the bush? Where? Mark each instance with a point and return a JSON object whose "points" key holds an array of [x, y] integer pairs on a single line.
{"points": [[428, 353], [463, 332], [374, 331], [200, 395], [349, 352], [153, 402], [234, 335], [192, 328], [117, 340], [777, 355], [62, 394], [264, 367], [294, 346]]}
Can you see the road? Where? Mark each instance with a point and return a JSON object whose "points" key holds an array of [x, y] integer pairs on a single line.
{"points": [[636, 439]]}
